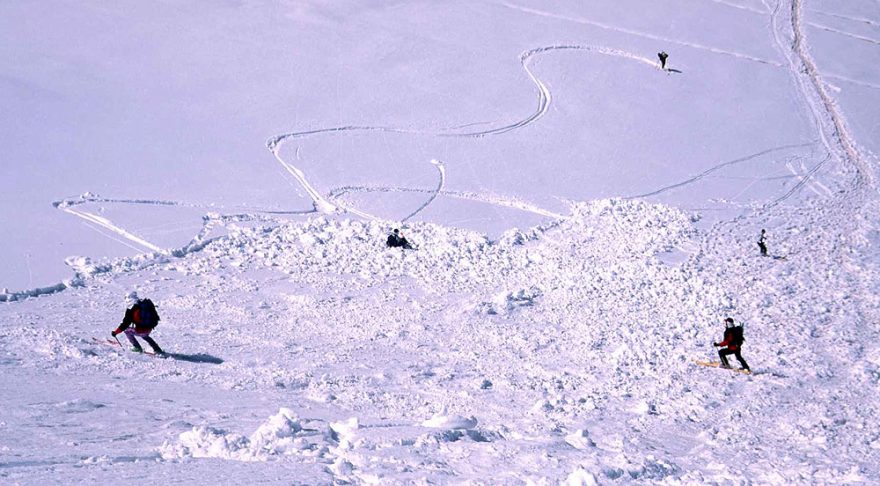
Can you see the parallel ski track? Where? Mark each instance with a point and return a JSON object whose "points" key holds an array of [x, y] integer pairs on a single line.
{"points": [[722, 165], [821, 238], [837, 213]]}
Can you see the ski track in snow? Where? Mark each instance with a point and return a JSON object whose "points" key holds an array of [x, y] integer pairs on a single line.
{"points": [[864, 84], [844, 33], [646, 35], [718, 167], [547, 337], [740, 7], [321, 203], [847, 17], [543, 104]]}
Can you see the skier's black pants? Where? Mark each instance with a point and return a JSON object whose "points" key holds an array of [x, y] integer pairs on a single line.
{"points": [[131, 333], [763, 248], [724, 353]]}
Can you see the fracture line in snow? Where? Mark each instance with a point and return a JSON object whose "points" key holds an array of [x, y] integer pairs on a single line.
{"points": [[198, 242], [89, 198], [718, 167], [51, 289], [581, 20]]}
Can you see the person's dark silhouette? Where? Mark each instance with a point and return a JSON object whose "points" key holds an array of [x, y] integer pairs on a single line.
{"points": [[397, 240], [762, 243], [733, 340], [662, 55], [142, 314]]}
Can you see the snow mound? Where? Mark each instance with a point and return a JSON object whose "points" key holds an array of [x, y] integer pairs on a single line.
{"points": [[443, 421], [278, 436]]}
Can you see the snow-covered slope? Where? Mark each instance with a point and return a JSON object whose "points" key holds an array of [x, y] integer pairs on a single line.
{"points": [[582, 229]]}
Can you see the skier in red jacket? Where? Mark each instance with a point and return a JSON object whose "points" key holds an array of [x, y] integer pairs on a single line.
{"points": [[143, 315], [733, 340]]}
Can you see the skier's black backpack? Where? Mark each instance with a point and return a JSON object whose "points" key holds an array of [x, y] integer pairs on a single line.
{"points": [[148, 315], [737, 338]]}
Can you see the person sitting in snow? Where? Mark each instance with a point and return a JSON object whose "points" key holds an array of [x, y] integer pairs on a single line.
{"points": [[143, 315], [397, 240], [733, 340]]}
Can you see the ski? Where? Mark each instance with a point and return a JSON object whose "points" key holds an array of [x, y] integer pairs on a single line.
{"points": [[717, 364], [117, 344]]}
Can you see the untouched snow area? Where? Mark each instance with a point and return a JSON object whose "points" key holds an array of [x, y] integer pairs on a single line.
{"points": [[584, 219]]}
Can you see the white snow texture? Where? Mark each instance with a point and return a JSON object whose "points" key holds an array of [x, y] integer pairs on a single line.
{"points": [[583, 221]]}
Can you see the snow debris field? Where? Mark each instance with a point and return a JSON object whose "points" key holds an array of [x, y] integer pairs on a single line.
{"points": [[582, 222]]}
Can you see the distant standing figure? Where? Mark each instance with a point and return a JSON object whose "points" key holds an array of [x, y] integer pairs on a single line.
{"points": [[662, 55], [733, 340], [397, 240], [143, 315], [762, 243]]}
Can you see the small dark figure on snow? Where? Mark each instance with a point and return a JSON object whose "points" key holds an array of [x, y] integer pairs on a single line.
{"points": [[762, 243], [733, 340], [143, 315], [662, 55], [397, 240]]}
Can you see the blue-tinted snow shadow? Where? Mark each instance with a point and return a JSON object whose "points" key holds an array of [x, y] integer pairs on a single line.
{"points": [[195, 358]]}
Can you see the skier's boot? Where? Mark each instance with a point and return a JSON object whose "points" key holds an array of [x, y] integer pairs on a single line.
{"points": [[153, 344]]}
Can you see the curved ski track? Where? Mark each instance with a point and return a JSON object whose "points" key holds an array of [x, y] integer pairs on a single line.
{"points": [[322, 204], [835, 137]]}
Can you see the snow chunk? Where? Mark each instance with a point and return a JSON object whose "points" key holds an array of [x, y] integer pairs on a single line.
{"points": [[443, 421], [580, 439], [207, 442], [277, 436], [506, 302], [581, 478]]}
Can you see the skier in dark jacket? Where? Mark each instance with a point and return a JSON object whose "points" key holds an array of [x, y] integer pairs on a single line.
{"points": [[143, 315], [733, 340], [762, 243], [662, 55], [397, 240]]}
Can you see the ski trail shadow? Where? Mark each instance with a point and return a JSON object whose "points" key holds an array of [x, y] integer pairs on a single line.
{"points": [[195, 358]]}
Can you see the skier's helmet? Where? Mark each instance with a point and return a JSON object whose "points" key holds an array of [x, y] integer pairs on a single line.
{"points": [[131, 299], [728, 321]]}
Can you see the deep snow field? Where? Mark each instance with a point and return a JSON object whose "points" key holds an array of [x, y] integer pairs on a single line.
{"points": [[584, 219]]}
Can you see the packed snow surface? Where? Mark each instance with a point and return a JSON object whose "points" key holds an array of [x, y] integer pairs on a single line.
{"points": [[583, 222]]}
